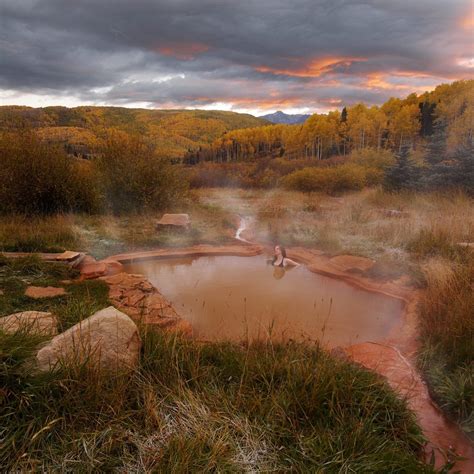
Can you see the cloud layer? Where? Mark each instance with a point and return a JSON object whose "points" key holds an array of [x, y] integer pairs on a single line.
{"points": [[241, 55]]}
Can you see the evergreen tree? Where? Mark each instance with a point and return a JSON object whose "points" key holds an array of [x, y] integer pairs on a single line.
{"points": [[427, 111], [462, 175], [438, 171], [435, 148], [403, 174]]}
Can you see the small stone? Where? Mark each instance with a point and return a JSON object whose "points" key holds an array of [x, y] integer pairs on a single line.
{"points": [[68, 256], [174, 221], [33, 322], [38, 292]]}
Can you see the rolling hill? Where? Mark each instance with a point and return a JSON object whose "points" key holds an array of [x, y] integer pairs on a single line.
{"points": [[81, 129]]}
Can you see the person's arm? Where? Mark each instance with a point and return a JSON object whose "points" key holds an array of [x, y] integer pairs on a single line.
{"points": [[290, 262]]}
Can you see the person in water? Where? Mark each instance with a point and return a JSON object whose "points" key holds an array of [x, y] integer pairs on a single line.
{"points": [[281, 260]]}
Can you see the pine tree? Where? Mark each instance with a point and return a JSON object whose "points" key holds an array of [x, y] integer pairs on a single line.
{"points": [[435, 149], [403, 174], [463, 166], [427, 110], [438, 171]]}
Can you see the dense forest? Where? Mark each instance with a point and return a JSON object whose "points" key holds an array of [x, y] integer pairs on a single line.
{"points": [[83, 130], [449, 110]]}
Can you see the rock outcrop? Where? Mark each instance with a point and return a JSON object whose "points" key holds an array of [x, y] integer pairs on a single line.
{"points": [[32, 322], [138, 298], [108, 340]]}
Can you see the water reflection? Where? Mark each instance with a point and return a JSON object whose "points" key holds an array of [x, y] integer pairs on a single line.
{"points": [[278, 273]]}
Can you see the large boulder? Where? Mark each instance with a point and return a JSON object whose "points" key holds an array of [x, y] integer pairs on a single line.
{"points": [[32, 322], [108, 340]]}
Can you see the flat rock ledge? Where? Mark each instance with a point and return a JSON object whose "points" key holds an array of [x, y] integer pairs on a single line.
{"points": [[170, 221], [31, 322], [107, 341], [136, 296]]}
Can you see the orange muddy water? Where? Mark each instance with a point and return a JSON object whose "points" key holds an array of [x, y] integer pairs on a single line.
{"points": [[238, 298]]}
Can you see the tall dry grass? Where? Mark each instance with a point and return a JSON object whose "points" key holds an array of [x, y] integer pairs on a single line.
{"points": [[39, 234], [446, 326]]}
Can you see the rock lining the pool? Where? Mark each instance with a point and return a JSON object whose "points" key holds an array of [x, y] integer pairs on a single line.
{"points": [[139, 299]]}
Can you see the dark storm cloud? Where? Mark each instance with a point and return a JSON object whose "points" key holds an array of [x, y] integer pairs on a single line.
{"points": [[194, 53]]}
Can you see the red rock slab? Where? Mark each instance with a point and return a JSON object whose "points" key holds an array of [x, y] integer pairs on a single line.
{"points": [[38, 292], [444, 436], [93, 270], [238, 250], [317, 262], [136, 296], [351, 262], [113, 266], [67, 256]]}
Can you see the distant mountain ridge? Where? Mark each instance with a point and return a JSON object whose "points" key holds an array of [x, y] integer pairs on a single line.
{"points": [[289, 119]]}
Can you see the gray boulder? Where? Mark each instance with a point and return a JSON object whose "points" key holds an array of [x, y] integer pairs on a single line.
{"points": [[108, 340]]}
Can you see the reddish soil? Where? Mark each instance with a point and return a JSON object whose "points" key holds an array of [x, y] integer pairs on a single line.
{"points": [[444, 437]]}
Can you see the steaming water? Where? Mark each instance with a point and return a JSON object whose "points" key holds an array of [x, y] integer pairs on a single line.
{"points": [[244, 222], [235, 298]]}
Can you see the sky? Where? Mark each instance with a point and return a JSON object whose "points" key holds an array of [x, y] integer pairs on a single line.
{"points": [[247, 56]]}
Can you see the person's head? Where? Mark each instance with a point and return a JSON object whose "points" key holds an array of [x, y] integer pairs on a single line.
{"points": [[280, 251]]}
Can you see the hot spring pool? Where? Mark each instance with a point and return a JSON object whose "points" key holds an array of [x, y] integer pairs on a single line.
{"points": [[239, 298]]}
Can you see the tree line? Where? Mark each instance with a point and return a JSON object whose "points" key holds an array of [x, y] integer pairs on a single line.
{"points": [[396, 124]]}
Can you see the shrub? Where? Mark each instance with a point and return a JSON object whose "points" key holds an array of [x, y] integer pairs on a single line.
{"points": [[134, 179], [334, 180], [36, 178], [372, 158]]}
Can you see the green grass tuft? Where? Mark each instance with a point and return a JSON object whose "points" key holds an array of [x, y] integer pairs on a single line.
{"points": [[209, 408]]}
